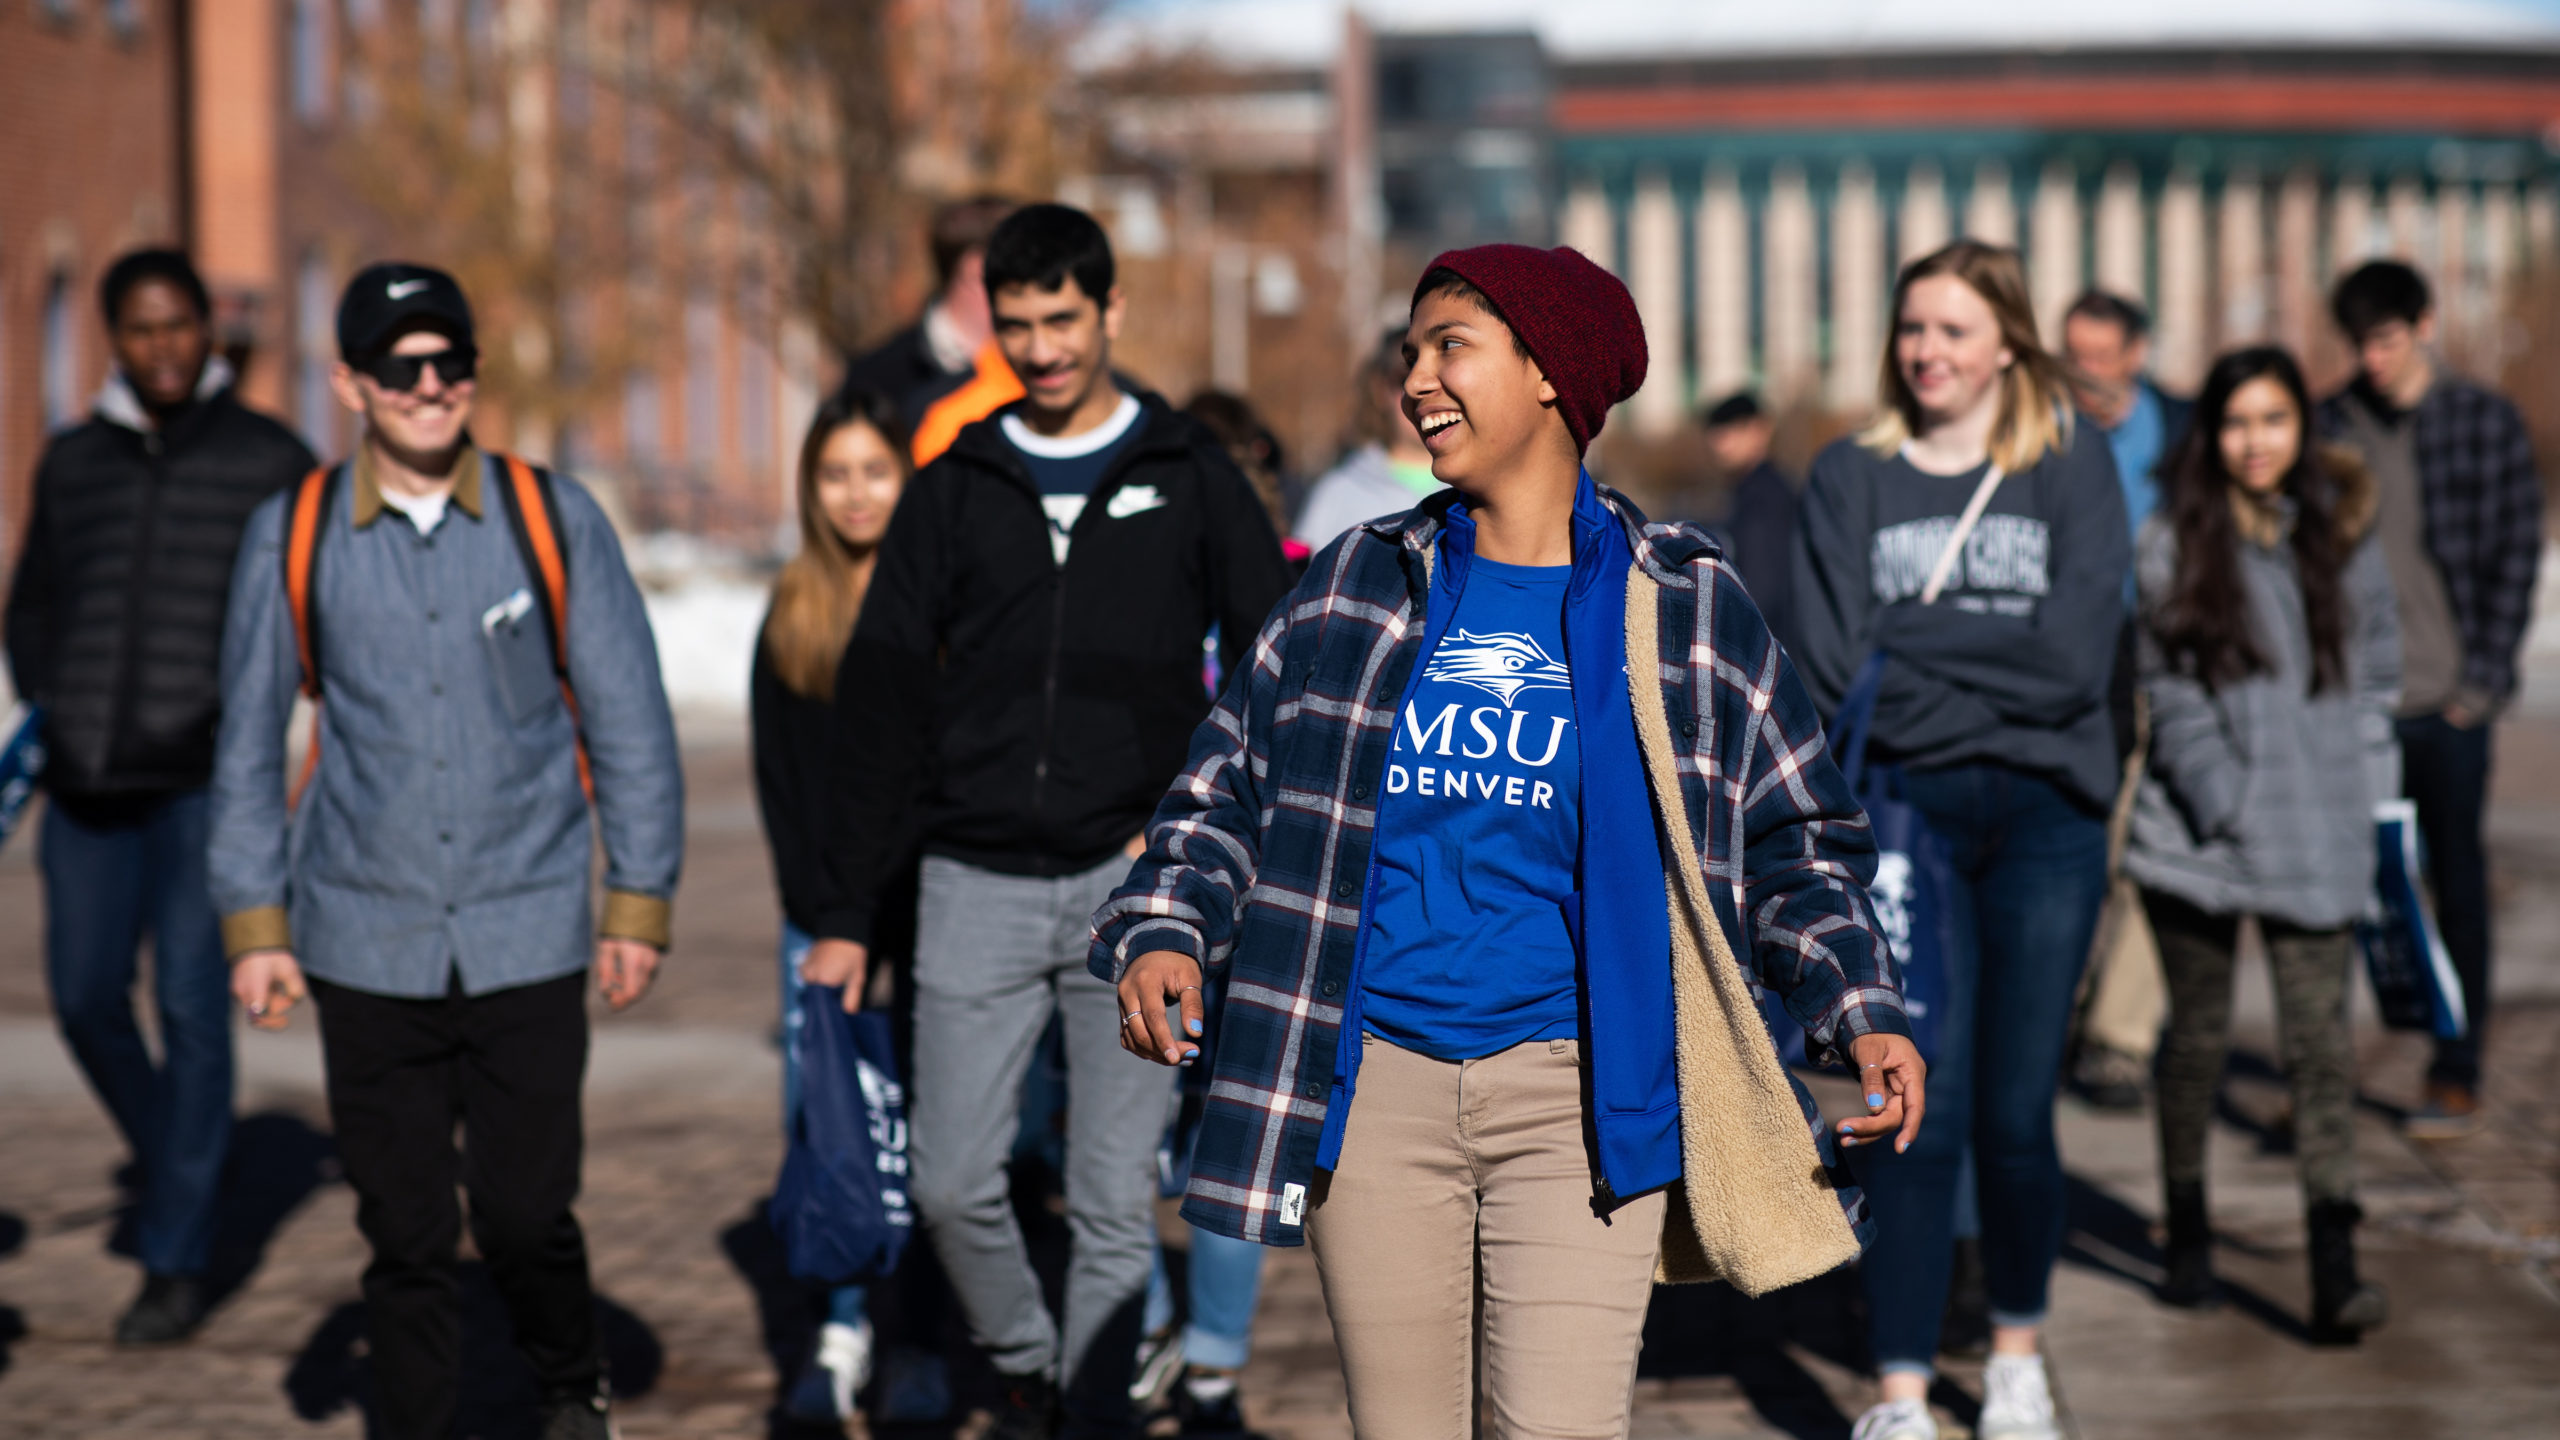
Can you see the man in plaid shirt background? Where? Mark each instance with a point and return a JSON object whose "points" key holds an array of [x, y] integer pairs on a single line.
{"points": [[2461, 524]]}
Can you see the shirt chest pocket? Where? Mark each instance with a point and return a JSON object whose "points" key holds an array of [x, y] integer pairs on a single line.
{"points": [[519, 649]]}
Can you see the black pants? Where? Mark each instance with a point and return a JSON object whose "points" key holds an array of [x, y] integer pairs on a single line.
{"points": [[508, 1066], [2445, 769]]}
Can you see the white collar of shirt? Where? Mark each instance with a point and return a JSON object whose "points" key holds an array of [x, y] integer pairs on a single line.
{"points": [[1069, 447], [424, 511]]}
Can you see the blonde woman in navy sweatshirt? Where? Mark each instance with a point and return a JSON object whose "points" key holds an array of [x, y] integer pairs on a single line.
{"points": [[1994, 707]]}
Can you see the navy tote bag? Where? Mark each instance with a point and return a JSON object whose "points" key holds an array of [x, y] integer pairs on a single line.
{"points": [[841, 1204], [1914, 889]]}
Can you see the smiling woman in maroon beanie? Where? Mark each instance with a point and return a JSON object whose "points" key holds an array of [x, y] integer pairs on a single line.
{"points": [[1512, 806]]}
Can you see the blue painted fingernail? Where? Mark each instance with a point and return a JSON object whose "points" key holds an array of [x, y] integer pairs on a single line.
{"points": [[1876, 1100], [1901, 1145], [1191, 1025], [1848, 1127], [1847, 1142]]}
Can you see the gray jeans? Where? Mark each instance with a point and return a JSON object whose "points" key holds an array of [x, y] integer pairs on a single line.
{"points": [[995, 954]]}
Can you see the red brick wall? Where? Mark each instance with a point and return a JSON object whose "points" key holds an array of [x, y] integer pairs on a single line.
{"points": [[88, 141]]}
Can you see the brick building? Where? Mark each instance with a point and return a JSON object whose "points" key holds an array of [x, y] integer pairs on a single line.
{"points": [[89, 146]]}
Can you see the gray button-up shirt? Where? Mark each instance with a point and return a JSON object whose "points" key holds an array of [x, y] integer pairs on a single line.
{"points": [[445, 830]]}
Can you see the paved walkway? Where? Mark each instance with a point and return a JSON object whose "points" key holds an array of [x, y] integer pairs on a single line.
{"points": [[682, 1143]]}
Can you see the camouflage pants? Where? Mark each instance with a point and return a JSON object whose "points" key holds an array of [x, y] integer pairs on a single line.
{"points": [[2198, 952]]}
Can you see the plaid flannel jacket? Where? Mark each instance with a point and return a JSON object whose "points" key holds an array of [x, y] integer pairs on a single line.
{"points": [[2482, 502], [1255, 861]]}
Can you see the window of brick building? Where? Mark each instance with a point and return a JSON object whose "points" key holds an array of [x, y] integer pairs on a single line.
{"points": [[315, 408], [701, 379], [61, 352], [310, 41]]}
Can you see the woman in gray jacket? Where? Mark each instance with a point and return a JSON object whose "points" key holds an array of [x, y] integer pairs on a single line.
{"points": [[2270, 651]]}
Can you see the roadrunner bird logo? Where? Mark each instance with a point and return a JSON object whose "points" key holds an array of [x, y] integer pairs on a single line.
{"points": [[1501, 664]]}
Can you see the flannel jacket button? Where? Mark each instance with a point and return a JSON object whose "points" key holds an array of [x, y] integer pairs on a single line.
{"points": [[448, 909], [1689, 728], [1360, 791], [1314, 1090], [1332, 987], [1344, 889], [432, 614]]}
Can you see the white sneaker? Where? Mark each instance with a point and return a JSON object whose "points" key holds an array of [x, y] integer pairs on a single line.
{"points": [[1159, 1360], [2017, 1404], [1896, 1420], [841, 1367]]}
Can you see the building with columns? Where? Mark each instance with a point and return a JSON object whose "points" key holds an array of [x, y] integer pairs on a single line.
{"points": [[1756, 173], [1759, 208]]}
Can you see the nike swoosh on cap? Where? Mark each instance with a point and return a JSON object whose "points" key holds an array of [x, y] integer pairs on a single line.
{"points": [[403, 289]]}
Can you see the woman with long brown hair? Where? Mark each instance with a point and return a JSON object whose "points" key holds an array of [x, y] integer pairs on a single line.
{"points": [[2270, 648], [1975, 539], [853, 467]]}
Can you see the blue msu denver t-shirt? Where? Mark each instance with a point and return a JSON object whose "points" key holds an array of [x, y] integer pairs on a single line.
{"points": [[1469, 951]]}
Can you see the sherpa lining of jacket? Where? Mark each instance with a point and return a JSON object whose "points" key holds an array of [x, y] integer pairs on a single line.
{"points": [[1754, 1206]]}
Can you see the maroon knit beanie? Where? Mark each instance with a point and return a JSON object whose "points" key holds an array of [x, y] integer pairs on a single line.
{"points": [[1577, 321]]}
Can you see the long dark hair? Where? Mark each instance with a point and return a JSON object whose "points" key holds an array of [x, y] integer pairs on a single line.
{"points": [[816, 598], [2204, 627]]}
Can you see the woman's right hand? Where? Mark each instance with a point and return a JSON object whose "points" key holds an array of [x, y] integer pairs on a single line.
{"points": [[838, 962], [1152, 982]]}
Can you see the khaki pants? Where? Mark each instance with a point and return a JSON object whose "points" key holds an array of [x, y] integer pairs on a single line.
{"points": [[1463, 1199]]}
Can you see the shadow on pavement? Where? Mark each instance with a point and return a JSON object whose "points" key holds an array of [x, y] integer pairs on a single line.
{"points": [[1694, 1330], [2110, 1237], [277, 1161], [331, 1375]]}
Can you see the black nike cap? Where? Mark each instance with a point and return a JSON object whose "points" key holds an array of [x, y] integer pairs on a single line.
{"points": [[387, 301]]}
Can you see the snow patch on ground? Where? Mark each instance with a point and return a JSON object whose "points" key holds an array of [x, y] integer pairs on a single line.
{"points": [[706, 626]]}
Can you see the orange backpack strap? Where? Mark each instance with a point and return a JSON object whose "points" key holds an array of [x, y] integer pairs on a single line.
{"points": [[537, 531], [305, 523], [301, 550]]}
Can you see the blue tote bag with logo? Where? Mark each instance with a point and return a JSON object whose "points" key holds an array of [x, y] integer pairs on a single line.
{"points": [[841, 1204], [1914, 889], [2414, 984], [21, 764]]}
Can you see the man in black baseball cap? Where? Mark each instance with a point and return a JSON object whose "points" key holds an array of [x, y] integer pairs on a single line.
{"points": [[480, 645]]}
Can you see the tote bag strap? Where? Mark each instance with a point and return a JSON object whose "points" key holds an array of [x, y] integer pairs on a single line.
{"points": [[1972, 516]]}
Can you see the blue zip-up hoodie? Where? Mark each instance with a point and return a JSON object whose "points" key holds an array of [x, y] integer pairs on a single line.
{"points": [[1621, 931]]}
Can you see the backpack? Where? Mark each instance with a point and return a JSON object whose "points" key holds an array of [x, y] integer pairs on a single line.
{"points": [[533, 517]]}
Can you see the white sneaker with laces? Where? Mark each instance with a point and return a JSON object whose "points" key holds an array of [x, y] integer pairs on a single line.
{"points": [[2017, 1403], [1896, 1420]]}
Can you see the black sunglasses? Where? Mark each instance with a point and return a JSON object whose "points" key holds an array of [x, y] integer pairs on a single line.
{"points": [[401, 372]]}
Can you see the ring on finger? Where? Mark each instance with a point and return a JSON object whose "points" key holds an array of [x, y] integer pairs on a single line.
{"points": [[1132, 1015]]}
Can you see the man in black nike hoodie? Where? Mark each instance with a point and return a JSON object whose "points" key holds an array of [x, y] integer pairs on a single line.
{"points": [[1021, 687]]}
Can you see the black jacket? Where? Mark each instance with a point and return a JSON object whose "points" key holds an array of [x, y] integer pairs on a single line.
{"points": [[1021, 716], [903, 369], [115, 616], [794, 738], [1760, 534]]}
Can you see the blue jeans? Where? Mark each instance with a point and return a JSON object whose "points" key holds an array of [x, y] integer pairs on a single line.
{"points": [[105, 886], [1225, 1283], [2034, 865], [846, 1304]]}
